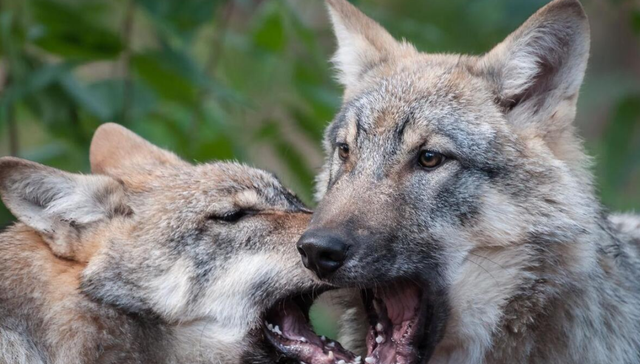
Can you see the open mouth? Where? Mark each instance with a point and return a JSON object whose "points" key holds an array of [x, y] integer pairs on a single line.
{"points": [[400, 321], [288, 329], [397, 323]]}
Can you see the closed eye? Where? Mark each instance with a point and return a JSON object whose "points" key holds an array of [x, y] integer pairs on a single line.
{"points": [[233, 216]]}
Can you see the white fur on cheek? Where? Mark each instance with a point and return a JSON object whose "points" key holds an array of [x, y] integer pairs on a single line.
{"points": [[234, 288], [170, 291]]}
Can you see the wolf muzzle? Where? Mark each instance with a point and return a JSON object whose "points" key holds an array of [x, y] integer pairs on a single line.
{"points": [[322, 251]]}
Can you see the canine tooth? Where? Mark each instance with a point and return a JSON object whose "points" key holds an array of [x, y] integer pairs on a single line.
{"points": [[379, 327], [341, 362], [380, 339], [303, 340], [270, 327], [369, 359], [331, 344], [330, 355], [277, 330], [323, 338], [358, 359]]}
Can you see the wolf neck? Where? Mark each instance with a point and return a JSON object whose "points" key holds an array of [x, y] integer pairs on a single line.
{"points": [[548, 296], [583, 289]]}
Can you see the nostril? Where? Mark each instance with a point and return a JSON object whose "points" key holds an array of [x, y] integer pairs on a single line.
{"points": [[302, 252]]}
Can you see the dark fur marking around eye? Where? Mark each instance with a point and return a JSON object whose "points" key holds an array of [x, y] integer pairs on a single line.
{"points": [[233, 216]]}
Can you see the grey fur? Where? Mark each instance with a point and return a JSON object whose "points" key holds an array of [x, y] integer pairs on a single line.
{"points": [[508, 231], [134, 264]]}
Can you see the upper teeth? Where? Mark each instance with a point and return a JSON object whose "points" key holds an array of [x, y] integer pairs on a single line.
{"points": [[358, 359], [369, 360], [330, 355], [341, 362], [379, 327], [275, 328], [380, 339]]}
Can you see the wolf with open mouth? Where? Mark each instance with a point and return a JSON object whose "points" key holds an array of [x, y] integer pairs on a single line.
{"points": [[150, 260], [457, 204]]}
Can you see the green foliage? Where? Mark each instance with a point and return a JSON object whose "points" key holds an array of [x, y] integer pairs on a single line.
{"points": [[635, 20], [619, 157], [71, 31], [244, 79]]}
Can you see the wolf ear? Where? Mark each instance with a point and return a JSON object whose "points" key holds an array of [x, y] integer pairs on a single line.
{"points": [[58, 204], [539, 68], [116, 150], [362, 43]]}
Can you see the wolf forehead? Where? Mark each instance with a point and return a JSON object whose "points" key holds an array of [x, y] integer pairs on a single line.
{"points": [[437, 100], [246, 185]]}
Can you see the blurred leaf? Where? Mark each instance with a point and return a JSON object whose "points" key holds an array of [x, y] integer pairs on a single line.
{"points": [[168, 78], [45, 153], [35, 82], [309, 125], [620, 148], [111, 93], [58, 114], [270, 34], [85, 98], [179, 18], [620, 132], [218, 147], [69, 32], [7, 36], [286, 151], [5, 217], [635, 21]]}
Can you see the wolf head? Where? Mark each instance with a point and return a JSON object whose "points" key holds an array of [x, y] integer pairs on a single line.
{"points": [[440, 165], [208, 249]]}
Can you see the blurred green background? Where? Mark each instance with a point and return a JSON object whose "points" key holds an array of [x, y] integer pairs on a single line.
{"points": [[250, 79]]}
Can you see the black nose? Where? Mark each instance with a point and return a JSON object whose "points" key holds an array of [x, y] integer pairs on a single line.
{"points": [[322, 252]]}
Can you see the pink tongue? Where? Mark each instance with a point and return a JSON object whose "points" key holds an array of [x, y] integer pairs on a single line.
{"points": [[402, 302], [295, 326], [293, 322]]}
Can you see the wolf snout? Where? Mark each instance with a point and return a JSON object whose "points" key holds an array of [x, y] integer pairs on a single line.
{"points": [[322, 251]]}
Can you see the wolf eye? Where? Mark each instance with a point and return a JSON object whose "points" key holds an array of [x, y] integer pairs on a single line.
{"points": [[230, 217], [430, 160], [343, 151]]}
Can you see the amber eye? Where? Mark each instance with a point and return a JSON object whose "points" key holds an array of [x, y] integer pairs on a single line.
{"points": [[343, 151], [430, 160]]}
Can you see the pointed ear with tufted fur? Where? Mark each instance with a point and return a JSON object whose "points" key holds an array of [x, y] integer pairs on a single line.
{"points": [[362, 43], [538, 69], [58, 204]]}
